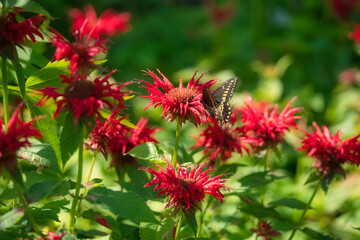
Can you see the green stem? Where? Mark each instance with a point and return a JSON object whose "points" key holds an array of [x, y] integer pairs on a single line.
{"points": [[71, 227], [306, 209], [266, 160], [5, 92], [87, 181], [178, 227], [176, 147]]}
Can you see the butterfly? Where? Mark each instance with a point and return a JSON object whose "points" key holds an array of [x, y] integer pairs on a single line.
{"points": [[217, 102]]}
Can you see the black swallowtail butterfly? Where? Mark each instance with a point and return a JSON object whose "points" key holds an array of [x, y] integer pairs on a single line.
{"points": [[216, 102]]}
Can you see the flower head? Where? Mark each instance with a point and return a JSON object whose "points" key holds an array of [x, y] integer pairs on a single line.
{"points": [[268, 126], [329, 151], [355, 34], [15, 33], [108, 24], [84, 97], [180, 102], [80, 53], [116, 138], [186, 188], [14, 138], [222, 141], [265, 230]]}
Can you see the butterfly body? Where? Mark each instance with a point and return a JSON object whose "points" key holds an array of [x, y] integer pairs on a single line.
{"points": [[217, 102]]}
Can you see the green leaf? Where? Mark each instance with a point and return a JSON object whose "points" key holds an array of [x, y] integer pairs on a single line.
{"points": [[70, 138], [124, 204], [191, 220], [325, 181], [29, 6], [139, 179], [150, 152], [316, 235], [258, 179], [162, 231], [40, 190], [277, 151], [10, 218], [43, 215], [228, 169], [45, 125], [48, 76], [106, 221], [69, 236], [41, 155], [313, 177], [288, 202], [261, 212]]}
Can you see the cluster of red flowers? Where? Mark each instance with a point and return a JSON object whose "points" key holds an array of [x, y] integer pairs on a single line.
{"points": [[81, 96], [14, 33], [330, 151], [186, 188], [261, 128], [14, 138], [117, 139]]}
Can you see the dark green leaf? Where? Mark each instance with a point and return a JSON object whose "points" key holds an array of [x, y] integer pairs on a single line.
{"points": [[29, 6], [191, 220], [139, 180], [70, 138], [288, 202], [124, 204], [40, 190], [277, 151], [41, 214], [258, 179], [10, 218], [313, 177], [150, 152], [228, 169], [316, 235], [325, 181]]}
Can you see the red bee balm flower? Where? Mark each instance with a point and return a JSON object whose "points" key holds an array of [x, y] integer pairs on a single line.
{"points": [[14, 138], [186, 188], [80, 53], [118, 139], [265, 230], [329, 150], [109, 23], [222, 141], [355, 34], [180, 102], [14, 33], [84, 97], [268, 127]]}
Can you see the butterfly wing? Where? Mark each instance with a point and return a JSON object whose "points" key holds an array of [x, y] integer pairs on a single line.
{"points": [[225, 91], [209, 102], [216, 103]]}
